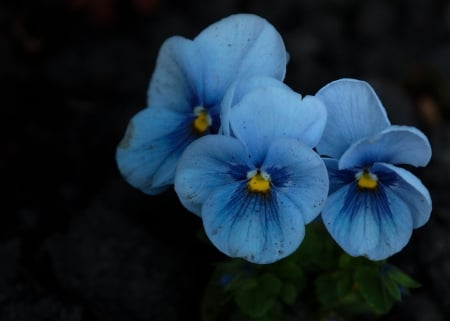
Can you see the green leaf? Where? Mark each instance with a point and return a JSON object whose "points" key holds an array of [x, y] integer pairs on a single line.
{"points": [[392, 288], [258, 295], [402, 278], [370, 284]]}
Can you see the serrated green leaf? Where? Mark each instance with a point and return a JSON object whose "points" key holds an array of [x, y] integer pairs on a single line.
{"points": [[257, 297]]}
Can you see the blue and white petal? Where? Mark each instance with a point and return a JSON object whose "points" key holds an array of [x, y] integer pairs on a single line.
{"points": [[258, 228], [410, 190], [394, 145], [267, 114], [367, 223], [354, 112], [238, 90], [298, 173], [177, 82], [149, 151], [239, 46]]}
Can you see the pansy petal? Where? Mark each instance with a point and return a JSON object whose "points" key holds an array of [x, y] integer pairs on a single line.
{"points": [[354, 112], [337, 177], [395, 145], [374, 224], [266, 114], [153, 142], [299, 174], [209, 162], [349, 218], [409, 190], [238, 90], [395, 228], [239, 46], [177, 80], [259, 228]]}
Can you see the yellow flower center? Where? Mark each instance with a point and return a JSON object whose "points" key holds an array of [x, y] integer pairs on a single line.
{"points": [[367, 180], [203, 120], [259, 182]]}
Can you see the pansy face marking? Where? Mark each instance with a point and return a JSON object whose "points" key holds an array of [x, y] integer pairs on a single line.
{"points": [[366, 180], [258, 182], [202, 121]]}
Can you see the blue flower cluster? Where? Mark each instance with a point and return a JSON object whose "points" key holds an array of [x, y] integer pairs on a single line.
{"points": [[256, 161]]}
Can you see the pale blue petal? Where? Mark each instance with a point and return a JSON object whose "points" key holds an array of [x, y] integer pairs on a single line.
{"points": [[298, 173], [395, 228], [208, 163], [239, 46], [354, 112], [394, 145], [147, 155], [409, 190], [350, 220], [266, 114], [238, 90], [177, 80], [258, 228], [337, 177], [375, 224]]}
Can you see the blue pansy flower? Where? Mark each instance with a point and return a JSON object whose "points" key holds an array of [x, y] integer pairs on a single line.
{"points": [[256, 186], [373, 205], [188, 83]]}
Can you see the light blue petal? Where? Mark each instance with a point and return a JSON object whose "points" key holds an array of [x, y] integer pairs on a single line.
{"points": [[238, 90], [395, 145], [239, 46], [298, 173], [258, 228], [410, 190], [367, 223], [208, 163], [266, 114], [338, 178], [177, 80], [395, 228], [354, 112], [147, 155]]}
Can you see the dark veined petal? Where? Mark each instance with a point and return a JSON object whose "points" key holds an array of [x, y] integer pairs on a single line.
{"points": [[375, 224], [238, 90], [298, 173], [239, 46], [177, 81], [354, 112], [337, 177], [409, 190], [266, 114], [394, 145], [208, 163], [260, 228], [148, 154]]}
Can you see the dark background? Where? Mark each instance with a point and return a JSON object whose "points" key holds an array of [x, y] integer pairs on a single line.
{"points": [[77, 243]]}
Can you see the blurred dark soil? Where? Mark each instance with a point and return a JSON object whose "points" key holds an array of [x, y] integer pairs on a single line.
{"points": [[78, 243]]}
